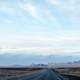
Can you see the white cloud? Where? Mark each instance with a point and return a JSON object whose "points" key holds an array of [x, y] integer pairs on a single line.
{"points": [[42, 14], [31, 9], [54, 2], [43, 45], [39, 51], [70, 8]]}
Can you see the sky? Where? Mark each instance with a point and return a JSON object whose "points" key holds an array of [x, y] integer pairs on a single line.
{"points": [[41, 27]]}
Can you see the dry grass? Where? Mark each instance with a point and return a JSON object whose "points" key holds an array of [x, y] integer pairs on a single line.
{"points": [[6, 72], [69, 71]]}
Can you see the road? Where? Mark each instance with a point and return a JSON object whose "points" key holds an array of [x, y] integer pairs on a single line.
{"points": [[46, 74]]}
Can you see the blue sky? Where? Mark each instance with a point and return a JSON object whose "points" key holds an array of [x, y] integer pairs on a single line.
{"points": [[40, 27]]}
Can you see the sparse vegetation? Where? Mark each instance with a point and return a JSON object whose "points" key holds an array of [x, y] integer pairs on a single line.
{"points": [[13, 72], [69, 71], [7, 73]]}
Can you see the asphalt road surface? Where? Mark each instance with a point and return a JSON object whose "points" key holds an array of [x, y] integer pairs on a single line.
{"points": [[46, 74]]}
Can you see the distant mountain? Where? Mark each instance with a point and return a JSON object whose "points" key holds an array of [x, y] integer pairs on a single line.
{"points": [[77, 61], [20, 59]]}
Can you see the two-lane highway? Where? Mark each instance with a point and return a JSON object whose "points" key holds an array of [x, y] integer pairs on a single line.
{"points": [[46, 74]]}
